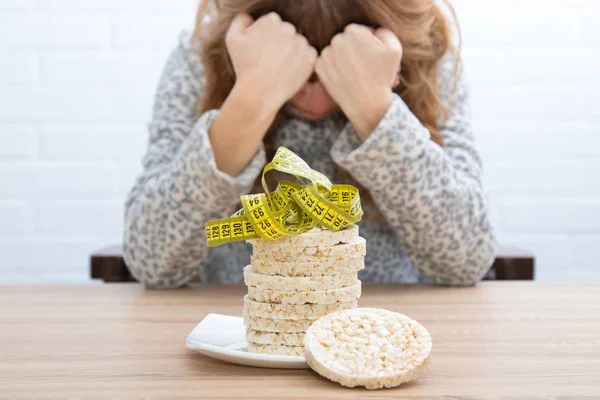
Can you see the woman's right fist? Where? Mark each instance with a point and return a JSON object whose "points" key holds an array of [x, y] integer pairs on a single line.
{"points": [[269, 57]]}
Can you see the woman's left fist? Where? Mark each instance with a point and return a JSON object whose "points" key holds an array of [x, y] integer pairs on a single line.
{"points": [[359, 68]]}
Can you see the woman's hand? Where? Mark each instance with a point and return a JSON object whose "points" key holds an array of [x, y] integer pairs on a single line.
{"points": [[270, 58], [359, 69], [271, 62]]}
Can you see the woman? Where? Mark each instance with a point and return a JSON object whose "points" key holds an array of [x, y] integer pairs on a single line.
{"points": [[365, 91]]}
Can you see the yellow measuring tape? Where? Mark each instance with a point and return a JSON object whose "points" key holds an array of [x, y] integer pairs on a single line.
{"points": [[291, 209]]}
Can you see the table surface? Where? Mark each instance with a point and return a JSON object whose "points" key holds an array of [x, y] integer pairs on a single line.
{"points": [[499, 339]]}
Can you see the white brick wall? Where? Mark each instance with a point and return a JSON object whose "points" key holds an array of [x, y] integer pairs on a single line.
{"points": [[76, 84]]}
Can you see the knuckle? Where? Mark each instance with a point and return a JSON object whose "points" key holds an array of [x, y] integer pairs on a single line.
{"points": [[301, 40], [273, 17], [337, 40], [394, 52], [288, 28], [353, 29]]}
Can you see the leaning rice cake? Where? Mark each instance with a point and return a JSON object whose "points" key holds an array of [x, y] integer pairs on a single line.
{"points": [[287, 311], [339, 295]]}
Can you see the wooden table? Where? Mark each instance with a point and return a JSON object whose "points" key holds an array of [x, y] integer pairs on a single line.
{"points": [[500, 339]]}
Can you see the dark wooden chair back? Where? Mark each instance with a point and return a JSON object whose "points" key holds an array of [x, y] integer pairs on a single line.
{"points": [[511, 264]]}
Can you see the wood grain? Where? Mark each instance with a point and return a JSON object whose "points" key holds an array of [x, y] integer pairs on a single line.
{"points": [[501, 339]]}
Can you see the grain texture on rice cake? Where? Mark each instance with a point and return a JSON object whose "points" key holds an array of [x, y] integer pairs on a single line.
{"points": [[367, 347], [276, 338], [357, 247], [287, 311], [316, 237], [342, 266], [340, 295], [274, 349], [277, 282], [277, 325]]}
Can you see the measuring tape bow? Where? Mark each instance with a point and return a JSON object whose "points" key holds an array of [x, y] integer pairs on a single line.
{"points": [[292, 208]]}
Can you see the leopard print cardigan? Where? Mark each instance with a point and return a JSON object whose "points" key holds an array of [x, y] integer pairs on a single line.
{"points": [[435, 225]]}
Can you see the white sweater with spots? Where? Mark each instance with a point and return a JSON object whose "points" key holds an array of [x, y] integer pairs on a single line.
{"points": [[434, 223]]}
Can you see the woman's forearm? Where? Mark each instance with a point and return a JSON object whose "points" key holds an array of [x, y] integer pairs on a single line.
{"points": [[431, 196], [271, 63], [177, 193], [239, 129]]}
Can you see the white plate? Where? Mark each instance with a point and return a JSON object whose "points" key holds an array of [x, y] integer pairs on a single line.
{"points": [[224, 337]]}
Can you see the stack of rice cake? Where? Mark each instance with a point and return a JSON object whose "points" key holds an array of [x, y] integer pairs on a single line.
{"points": [[296, 280]]}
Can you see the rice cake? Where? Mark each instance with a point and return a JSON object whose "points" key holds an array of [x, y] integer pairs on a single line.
{"points": [[367, 347], [348, 265], [357, 247], [277, 325], [340, 295], [275, 338], [300, 283], [287, 311], [316, 237], [275, 349]]}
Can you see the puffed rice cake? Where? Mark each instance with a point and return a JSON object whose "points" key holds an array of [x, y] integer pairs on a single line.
{"points": [[302, 283], [316, 237], [275, 338], [275, 349], [287, 311], [323, 267], [277, 325], [262, 250], [367, 347], [340, 295]]}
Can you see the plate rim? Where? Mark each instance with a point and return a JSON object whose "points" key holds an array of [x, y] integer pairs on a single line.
{"points": [[192, 344]]}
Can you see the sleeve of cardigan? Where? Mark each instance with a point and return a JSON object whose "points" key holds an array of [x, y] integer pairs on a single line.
{"points": [[180, 187], [432, 196]]}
